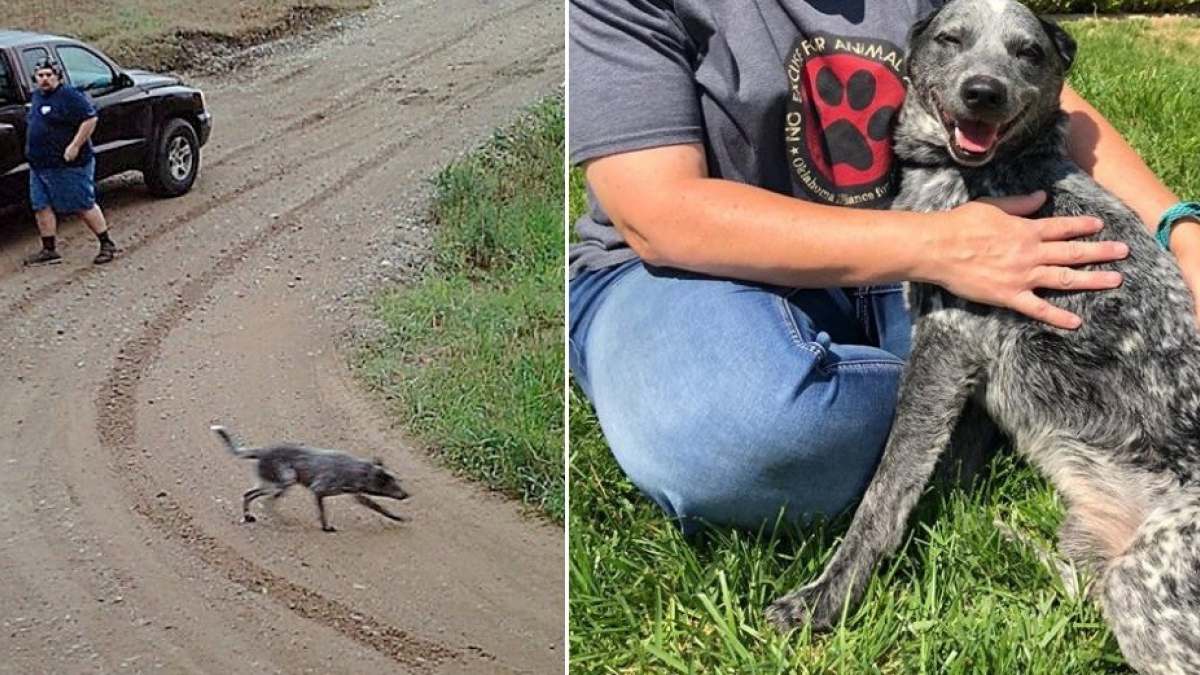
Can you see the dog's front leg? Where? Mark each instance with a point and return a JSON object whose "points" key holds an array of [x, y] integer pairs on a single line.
{"points": [[374, 506], [938, 380]]}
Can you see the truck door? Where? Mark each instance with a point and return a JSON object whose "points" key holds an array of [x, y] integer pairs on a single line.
{"points": [[124, 124], [13, 171]]}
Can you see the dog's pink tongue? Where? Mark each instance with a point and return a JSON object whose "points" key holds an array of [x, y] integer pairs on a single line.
{"points": [[974, 136]]}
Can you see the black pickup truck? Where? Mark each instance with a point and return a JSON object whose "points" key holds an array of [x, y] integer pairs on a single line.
{"points": [[147, 122]]}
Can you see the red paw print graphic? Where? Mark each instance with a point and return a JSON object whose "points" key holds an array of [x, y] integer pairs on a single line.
{"points": [[850, 104]]}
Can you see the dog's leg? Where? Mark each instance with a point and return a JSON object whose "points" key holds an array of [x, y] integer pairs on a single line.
{"points": [[254, 493], [1149, 594], [1077, 546], [325, 526], [933, 392], [374, 506], [975, 442]]}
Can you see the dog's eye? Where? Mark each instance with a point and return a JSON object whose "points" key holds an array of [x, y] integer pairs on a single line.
{"points": [[1031, 53], [948, 39]]}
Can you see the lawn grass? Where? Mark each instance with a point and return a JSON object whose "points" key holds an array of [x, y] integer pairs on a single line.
{"points": [[958, 598], [471, 358]]}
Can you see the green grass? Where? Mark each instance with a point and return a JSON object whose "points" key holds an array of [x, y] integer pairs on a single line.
{"points": [[958, 598], [1107, 6], [471, 359]]}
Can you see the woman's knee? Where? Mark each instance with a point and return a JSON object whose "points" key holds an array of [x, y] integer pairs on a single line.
{"points": [[740, 460]]}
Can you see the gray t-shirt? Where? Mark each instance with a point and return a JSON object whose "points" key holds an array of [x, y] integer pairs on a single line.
{"points": [[789, 95]]}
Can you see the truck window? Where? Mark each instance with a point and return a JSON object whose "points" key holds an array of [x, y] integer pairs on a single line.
{"points": [[7, 90], [86, 71]]}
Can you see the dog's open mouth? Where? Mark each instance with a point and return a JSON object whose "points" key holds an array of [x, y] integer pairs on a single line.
{"points": [[972, 141], [975, 138]]}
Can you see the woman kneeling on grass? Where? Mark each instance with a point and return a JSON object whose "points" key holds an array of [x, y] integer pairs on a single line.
{"points": [[736, 317]]}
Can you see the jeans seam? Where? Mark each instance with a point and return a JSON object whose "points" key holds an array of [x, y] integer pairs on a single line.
{"points": [[820, 353], [794, 330], [862, 307], [863, 364], [574, 352]]}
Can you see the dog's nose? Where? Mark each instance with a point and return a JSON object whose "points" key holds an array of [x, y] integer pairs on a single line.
{"points": [[981, 93]]}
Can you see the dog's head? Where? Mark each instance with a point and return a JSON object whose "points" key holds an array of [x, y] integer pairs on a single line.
{"points": [[383, 483], [983, 74]]}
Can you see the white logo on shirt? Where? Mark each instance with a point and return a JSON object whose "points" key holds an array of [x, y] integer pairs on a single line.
{"points": [[45, 110]]}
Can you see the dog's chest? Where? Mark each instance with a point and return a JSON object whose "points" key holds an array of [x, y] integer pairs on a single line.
{"points": [[928, 189]]}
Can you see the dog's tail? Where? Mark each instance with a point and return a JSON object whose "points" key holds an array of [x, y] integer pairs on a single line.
{"points": [[232, 445]]}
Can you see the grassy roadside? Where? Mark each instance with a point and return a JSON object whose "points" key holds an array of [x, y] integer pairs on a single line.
{"points": [[169, 34], [958, 598], [471, 358]]}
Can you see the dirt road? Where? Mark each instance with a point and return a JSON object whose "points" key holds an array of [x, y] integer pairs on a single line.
{"points": [[120, 546]]}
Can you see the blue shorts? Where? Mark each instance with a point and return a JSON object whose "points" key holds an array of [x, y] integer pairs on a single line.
{"points": [[66, 189]]}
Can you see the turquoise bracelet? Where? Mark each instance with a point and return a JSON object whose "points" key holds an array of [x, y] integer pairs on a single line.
{"points": [[1169, 218]]}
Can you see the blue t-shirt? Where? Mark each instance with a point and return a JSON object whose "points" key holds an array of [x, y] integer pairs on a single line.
{"points": [[52, 123], [794, 96]]}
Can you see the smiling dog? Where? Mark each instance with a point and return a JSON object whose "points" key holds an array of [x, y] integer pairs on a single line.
{"points": [[1109, 413]]}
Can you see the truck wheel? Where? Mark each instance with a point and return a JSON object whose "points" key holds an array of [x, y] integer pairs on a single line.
{"points": [[176, 160]]}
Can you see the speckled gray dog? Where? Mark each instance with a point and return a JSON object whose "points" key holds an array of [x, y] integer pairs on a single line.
{"points": [[325, 472], [1110, 412]]}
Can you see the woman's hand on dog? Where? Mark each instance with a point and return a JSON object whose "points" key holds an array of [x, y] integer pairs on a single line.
{"points": [[991, 254]]}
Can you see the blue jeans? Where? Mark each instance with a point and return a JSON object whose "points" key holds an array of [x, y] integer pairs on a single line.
{"points": [[729, 402]]}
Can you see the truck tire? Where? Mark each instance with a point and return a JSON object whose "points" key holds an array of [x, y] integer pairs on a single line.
{"points": [[176, 160]]}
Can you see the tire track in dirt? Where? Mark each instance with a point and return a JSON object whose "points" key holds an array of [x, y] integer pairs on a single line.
{"points": [[116, 424], [116, 421]]}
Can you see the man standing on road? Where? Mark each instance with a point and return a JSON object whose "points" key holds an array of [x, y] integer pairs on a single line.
{"points": [[62, 166]]}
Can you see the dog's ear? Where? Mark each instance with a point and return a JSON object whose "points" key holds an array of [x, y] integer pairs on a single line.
{"points": [[1062, 41], [917, 33], [919, 27]]}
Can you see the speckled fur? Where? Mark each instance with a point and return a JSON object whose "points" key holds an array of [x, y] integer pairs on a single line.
{"points": [[324, 472], [1110, 412]]}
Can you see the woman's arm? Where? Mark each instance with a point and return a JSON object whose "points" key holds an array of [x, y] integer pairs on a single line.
{"points": [[672, 214], [1100, 150]]}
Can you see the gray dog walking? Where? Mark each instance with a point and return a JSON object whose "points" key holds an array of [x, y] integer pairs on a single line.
{"points": [[1109, 413], [325, 472]]}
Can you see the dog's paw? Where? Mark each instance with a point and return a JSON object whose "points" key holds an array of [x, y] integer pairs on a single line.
{"points": [[807, 606], [247, 518], [329, 528]]}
